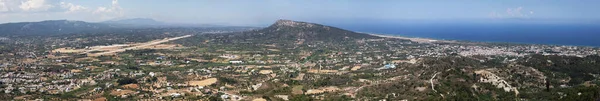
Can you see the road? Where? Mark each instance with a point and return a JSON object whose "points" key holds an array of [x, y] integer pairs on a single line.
{"points": [[431, 81]]}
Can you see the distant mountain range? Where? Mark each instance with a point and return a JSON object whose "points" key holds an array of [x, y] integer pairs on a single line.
{"points": [[49, 27], [55, 27], [139, 22], [147, 22]]}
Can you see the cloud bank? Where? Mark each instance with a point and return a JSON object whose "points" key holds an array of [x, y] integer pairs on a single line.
{"points": [[511, 13], [35, 8]]}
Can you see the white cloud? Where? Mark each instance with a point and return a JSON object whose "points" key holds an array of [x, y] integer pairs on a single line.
{"points": [[113, 11], [36, 10], [516, 12], [511, 13], [3, 6], [20, 6], [35, 5], [8, 5], [39, 6], [495, 15], [115, 2], [70, 7]]}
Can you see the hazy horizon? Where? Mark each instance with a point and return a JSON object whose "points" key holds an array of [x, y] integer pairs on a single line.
{"points": [[261, 13]]}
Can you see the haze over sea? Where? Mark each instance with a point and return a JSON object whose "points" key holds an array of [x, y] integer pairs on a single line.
{"points": [[576, 34]]}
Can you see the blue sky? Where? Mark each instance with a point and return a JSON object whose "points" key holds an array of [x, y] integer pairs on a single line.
{"points": [[261, 12]]}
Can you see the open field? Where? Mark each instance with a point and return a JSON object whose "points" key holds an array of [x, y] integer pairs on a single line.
{"points": [[322, 90], [204, 82]]}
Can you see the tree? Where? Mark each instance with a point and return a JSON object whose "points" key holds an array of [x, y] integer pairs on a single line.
{"points": [[125, 81]]}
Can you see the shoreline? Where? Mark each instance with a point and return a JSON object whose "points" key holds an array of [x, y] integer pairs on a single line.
{"points": [[432, 40], [420, 40]]}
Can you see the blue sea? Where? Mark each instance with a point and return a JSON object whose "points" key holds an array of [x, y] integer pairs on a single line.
{"points": [[576, 34]]}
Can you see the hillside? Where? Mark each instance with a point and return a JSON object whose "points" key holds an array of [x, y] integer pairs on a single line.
{"points": [[50, 27], [61, 27], [286, 30]]}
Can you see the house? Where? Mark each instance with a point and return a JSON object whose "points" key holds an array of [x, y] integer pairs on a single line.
{"points": [[236, 62], [388, 66]]}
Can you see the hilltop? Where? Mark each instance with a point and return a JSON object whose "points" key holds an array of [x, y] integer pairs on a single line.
{"points": [[285, 30]]}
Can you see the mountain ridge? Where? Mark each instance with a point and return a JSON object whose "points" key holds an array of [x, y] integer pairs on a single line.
{"points": [[297, 30], [135, 22], [57, 27], [49, 27]]}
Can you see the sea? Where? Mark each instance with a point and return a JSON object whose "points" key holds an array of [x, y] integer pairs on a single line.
{"points": [[572, 34]]}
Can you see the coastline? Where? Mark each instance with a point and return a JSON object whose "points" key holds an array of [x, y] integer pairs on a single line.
{"points": [[432, 40], [419, 40]]}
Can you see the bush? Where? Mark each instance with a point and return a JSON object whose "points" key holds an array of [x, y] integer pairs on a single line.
{"points": [[125, 81]]}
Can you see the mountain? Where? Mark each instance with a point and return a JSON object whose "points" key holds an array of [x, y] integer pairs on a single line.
{"points": [[57, 27], [151, 23], [135, 22], [296, 30], [49, 27]]}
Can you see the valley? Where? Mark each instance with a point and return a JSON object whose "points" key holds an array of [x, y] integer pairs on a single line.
{"points": [[288, 61]]}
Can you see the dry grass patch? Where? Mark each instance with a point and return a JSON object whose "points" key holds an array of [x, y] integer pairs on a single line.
{"points": [[131, 86], [355, 68], [75, 71], [322, 71], [323, 90], [296, 90], [265, 71], [68, 50], [22, 97], [204, 82], [100, 99], [121, 92], [259, 99]]}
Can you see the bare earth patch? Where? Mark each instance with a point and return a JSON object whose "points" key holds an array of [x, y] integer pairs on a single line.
{"points": [[121, 92], [265, 71], [204, 82], [322, 90], [259, 99], [100, 99], [489, 77], [131, 86], [322, 71], [68, 50], [297, 90], [355, 68]]}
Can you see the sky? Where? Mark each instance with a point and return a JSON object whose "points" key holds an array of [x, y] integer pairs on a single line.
{"points": [[261, 12]]}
